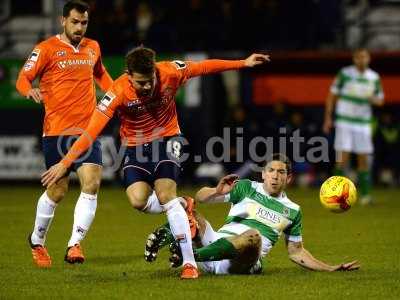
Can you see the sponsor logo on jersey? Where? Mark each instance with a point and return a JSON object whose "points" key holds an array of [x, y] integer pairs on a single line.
{"points": [[92, 53], [270, 218], [141, 105], [74, 62], [268, 215], [61, 53], [133, 103], [286, 212]]}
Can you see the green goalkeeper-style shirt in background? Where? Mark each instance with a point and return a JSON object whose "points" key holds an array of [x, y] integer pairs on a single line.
{"points": [[354, 90], [252, 207]]}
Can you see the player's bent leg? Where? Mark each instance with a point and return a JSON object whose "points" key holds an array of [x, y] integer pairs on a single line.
{"points": [[248, 246], [206, 235], [222, 257], [46, 206], [166, 192], [138, 193], [248, 259], [137, 181], [156, 240], [163, 236]]}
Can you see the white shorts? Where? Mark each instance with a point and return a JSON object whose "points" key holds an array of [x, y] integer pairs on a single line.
{"points": [[222, 267], [353, 139], [216, 267]]}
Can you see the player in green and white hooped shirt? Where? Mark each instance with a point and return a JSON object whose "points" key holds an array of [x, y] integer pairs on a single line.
{"points": [[355, 89], [260, 212]]}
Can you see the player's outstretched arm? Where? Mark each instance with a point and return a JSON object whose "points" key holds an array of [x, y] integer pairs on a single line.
{"points": [[211, 66], [302, 257], [217, 194], [256, 59]]}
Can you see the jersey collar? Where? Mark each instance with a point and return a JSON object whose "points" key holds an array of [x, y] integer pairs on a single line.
{"points": [[76, 49], [260, 189]]}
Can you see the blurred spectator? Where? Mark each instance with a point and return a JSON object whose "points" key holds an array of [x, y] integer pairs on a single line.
{"points": [[201, 25], [144, 20], [387, 141], [22, 7]]}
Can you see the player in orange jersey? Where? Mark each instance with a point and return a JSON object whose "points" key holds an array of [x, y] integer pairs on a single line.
{"points": [[67, 65], [145, 100]]}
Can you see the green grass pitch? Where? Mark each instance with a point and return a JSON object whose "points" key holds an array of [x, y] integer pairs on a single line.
{"points": [[115, 269]]}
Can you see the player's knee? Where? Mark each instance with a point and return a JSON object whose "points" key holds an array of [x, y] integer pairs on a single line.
{"points": [[56, 194], [164, 196], [253, 238], [91, 186], [137, 201], [165, 189]]}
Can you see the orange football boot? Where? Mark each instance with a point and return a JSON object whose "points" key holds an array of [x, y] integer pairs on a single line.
{"points": [[40, 255], [74, 255], [189, 272]]}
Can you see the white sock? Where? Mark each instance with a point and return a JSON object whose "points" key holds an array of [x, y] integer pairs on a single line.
{"points": [[153, 206], [183, 202], [85, 209], [180, 228], [44, 215], [209, 236]]}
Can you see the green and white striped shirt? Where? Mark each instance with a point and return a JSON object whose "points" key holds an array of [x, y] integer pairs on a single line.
{"points": [[354, 90], [253, 207]]}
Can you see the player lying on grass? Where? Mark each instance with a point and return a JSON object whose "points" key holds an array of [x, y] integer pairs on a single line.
{"points": [[260, 212]]}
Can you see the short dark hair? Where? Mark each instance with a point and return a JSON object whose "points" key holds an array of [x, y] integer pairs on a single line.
{"points": [[282, 158], [80, 6], [141, 60]]}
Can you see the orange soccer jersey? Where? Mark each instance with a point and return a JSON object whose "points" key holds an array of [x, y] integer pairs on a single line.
{"points": [[66, 83], [144, 119]]}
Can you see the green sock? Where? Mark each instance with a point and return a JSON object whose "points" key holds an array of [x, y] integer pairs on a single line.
{"points": [[219, 250], [364, 181], [338, 172]]}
